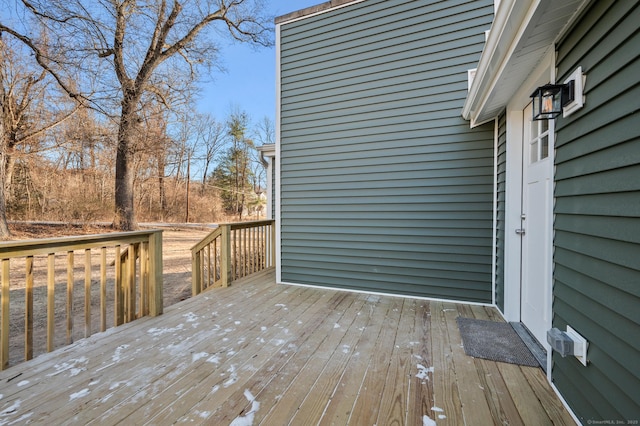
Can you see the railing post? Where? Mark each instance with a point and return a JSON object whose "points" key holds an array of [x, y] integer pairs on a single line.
{"points": [[155, 271], [273, 243], [225, 255], [196, 273]]}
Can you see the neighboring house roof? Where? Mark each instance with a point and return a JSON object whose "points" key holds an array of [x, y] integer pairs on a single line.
{"points": [[312, 10], [521, 34]]}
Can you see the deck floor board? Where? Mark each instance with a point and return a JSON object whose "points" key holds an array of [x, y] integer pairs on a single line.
{"points": [[262, 353]]}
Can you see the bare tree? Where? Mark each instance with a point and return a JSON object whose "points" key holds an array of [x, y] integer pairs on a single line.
{"points": [[27, 111], [120, 51], [265, 131], [265, 134], [209, 136]]}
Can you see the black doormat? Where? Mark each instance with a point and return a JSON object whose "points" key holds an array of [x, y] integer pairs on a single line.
{"points": [[496, 341]]}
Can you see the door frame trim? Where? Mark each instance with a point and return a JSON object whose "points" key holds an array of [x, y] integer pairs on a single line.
{"points": [[542, 74]]}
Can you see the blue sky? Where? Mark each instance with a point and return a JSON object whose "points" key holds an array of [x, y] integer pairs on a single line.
{"points": [[249, 80]]}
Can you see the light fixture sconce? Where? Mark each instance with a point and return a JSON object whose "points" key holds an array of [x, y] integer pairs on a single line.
{"points": [[548, 100], [551, 100]]}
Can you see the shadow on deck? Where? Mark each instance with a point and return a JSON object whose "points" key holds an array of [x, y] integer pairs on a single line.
{"points": [[259, 353]]}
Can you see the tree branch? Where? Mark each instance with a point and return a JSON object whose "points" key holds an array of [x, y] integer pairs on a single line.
{"points": [[50, 126]]}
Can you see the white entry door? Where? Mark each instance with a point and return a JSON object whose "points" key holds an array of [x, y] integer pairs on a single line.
{"points": [[536, 225]]}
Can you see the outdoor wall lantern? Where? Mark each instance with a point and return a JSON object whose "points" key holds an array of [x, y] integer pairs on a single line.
{"points": [[551, 100], [548, 100]]}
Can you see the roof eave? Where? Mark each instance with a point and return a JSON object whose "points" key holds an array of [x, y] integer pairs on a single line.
{"points": [[509, 20], [512, 32]]}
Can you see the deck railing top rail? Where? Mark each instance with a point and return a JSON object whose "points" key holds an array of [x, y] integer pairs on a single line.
{"points": [[13, 249]]}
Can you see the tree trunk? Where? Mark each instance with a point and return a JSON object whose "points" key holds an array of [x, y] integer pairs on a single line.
{"points": [[161, 189], [186, 218], [9, 166], [4, 227], [124, 219]]}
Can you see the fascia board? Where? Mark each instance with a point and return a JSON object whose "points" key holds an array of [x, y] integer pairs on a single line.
{"points": [[511, 20]]}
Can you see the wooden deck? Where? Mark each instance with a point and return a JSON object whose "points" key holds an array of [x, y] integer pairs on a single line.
{"points": [[259, 353]]}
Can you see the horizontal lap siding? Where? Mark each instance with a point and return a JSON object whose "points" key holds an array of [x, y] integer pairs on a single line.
{"points": [[597, 215], [273, 191], [383, 185]]}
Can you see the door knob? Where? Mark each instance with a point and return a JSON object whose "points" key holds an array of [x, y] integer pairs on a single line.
{"points": [[520, 231]]}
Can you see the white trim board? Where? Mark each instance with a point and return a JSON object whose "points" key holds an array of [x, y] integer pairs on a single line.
{"points": [[277, 160], [377, 293], [320, 12]]}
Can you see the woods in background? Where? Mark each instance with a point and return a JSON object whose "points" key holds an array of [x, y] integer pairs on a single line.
{"points": [[97, 110]]}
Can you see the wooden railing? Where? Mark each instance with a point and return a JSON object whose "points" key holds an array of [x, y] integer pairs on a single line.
{"points": [[124, 269], [232, 251]]}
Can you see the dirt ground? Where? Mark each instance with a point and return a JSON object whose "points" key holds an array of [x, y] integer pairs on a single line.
{"points": [[176, 248]]}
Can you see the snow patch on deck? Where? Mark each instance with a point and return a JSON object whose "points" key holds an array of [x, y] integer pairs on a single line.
{"points": [[233, 376], [214, 359], [247, 419], [71, 367], [198, 356], [423, 372], [80, 394], [11, 409], [439, 410], [157, 332], [428, 421], [117, 355], [190, 317]]}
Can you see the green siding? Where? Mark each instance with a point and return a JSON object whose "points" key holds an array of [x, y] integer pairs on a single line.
{"points": [[272, 207], [383, 185], [501, 179], [597, 215]]}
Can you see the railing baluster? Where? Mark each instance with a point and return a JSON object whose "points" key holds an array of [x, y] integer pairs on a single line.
{"points": [[51, 303], [245, 253], [103, 288], [28, 314], [87, 292], [131, 282], [5, 314], [118, 299], [70, 279], [210, 278], [144, 279]]}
